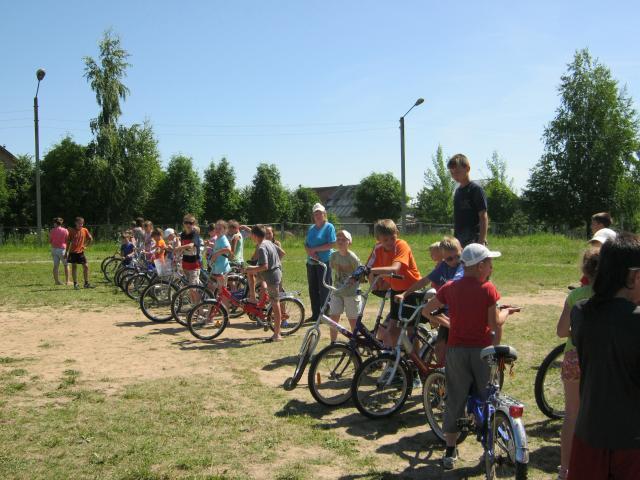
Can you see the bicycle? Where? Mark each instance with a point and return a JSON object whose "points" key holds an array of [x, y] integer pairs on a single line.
{"points": [[383, 383], [496, 421], [548, 387], [312, 336], [198, 318]]}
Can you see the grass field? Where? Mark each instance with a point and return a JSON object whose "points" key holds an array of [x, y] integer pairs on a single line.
{"points": [[90, 389]]}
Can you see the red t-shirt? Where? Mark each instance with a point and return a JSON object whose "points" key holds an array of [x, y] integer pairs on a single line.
{"points": [[468, 301], [401, 253]]}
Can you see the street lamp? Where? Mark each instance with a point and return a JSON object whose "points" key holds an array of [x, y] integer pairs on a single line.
{"points": [[403, 215], [40, 73]]}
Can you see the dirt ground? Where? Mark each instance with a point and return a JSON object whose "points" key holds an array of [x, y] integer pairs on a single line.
{"points": [[116, 347]]}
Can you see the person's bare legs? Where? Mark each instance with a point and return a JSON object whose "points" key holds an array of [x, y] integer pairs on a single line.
{"points": [[252, 287], [74, 273], [333, 331], [571, 407], [85, 272], [56, 268], [66, 272], [277, 318]]}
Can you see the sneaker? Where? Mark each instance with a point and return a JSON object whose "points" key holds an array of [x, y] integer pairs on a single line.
{"points": [[88, 285], [76, 286], [449, 463], [417, 383]]}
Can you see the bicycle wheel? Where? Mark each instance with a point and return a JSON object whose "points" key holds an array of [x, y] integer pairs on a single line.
{"points": [[208, 319], [155, 301], [331, 374], [104, 262], [548, 388], [135, 285], [500, 451], [185, 299], [370, 392], [110, 268], [125, 276], [117, 276], [239, 288], [434, 396], [309, 344], [292, 316]]}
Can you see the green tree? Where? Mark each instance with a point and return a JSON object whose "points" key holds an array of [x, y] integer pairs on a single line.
{"points": [[379, 196], [179, 191], [21, 193], [4, 191], [502, 201], [434, 203], [105, 77], [221, 199], [302, 201], [269, 200], [588, 163]]}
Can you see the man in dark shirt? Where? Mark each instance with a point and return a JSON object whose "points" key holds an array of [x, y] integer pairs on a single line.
{"points": [[470, 218]]}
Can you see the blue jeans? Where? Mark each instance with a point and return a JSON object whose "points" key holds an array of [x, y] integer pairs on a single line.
{"points": [[317, 292]]}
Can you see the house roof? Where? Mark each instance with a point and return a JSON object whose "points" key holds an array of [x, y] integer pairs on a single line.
{"points": [[7, 158], [339, 199]]}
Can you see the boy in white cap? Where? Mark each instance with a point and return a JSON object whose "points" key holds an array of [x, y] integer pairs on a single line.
{"points": [[600, 223], [475, 322], [346, 300]]}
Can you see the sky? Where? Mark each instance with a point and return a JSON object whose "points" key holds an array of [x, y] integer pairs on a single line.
{"points": [[315, 87]]}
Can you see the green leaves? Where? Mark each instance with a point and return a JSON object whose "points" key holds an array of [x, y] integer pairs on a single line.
{"points": [[379, 196]]}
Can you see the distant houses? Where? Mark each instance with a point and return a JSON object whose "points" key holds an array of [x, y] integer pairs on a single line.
{"points": [[340, 200], [7, 158]]}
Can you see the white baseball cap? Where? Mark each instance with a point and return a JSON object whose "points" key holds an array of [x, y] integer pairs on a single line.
{"points": [[169, 231], [474, 253], [603, 235], [347, 235], [318, 208]]}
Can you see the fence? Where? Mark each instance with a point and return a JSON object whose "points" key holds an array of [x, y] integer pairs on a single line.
{"points": [[106, 233]]}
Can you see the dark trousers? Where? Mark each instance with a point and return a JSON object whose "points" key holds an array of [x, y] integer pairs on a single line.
{"points": [[317, 292]]}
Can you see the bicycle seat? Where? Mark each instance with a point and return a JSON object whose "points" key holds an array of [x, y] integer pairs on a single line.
{"points": [[501, 352]]}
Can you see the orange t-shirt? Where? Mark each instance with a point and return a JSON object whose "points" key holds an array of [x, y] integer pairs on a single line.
{"points": [[78, 239], [161, 246], [401, 253]]}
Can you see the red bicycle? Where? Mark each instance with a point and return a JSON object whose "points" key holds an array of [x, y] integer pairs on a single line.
{"points": [[208, 319]]}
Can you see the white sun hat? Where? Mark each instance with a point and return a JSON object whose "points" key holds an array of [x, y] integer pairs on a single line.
{"points": [[474, 253]]}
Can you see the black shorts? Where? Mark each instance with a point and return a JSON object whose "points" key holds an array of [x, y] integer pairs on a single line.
{"points": [[78, 258], [410, 302]]}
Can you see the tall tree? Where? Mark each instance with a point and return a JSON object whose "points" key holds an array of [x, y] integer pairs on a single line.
{"points": [[4, 191], [179, 192], [21, 196], [302, 201], [588, 162], [379, 196], [220, 194], [502, 201], [434, 203], [105, 77], [269, 201]]}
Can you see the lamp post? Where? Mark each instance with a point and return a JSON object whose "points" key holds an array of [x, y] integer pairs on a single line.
{"points": [[40, 73], [403, 215]]}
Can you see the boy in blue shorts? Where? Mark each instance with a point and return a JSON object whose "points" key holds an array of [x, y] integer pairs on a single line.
{"points": [[475, 322]]}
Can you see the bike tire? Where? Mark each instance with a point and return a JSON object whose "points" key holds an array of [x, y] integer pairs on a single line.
{"points": [[237, 283], [135, 285], [547, 393], [434, 396], [200, 323], [110, 268], [292, 316], [331, 374], [104, 262], [368, 389], [155, 301], [181, 306], [498, 443], [309, 343]]}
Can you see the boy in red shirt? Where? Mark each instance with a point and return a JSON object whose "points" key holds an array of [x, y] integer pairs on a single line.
{"points": [[393, 255], [79, 240], [474, 315]]}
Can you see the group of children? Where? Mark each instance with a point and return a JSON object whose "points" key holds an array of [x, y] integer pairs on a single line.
{"points": [[68, 246]]}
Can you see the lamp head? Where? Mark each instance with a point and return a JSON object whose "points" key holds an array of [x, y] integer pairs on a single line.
{"points": [[40, 73], [419, 101]]}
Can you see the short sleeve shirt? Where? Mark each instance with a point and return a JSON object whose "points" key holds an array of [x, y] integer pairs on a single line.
{"points": [[468, 202], [58, 237], [443, 273], [267, 254], [342, 267], [191, 260], [400, 253], [321, 236], [221, 265], [160, 248], [574, 297], [468, 300], [238, 251], [126, 249], [78, 239]]}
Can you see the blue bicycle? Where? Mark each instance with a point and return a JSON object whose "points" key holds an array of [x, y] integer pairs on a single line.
{"points": [[497, 421]]}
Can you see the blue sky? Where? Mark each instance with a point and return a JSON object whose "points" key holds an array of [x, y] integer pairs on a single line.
{"points": [[315, 87]]}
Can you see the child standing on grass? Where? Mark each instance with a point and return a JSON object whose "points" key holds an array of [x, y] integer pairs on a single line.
{"points": [[138, 233], [220, 253], [172, 242], [346, 300], [237, 242], [127, 248], [79, 240], [474, 315], [209, 244], [148, 242], [58, 237], [269, 269], [190, 244], [159, 246]]}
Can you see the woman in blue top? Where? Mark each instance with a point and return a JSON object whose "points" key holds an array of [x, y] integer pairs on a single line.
{"points": [[319, 244]]}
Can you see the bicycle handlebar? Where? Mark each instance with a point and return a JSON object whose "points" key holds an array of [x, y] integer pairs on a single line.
{"points": [[361, 270]]}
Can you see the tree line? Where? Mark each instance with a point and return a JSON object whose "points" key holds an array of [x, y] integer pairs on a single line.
{"points": [[589, 164]]}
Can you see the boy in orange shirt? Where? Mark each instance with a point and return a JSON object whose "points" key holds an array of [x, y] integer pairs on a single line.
{"points": [[393, 255], [79, 239]]}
